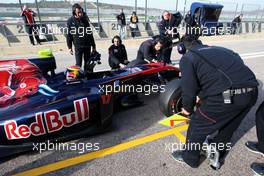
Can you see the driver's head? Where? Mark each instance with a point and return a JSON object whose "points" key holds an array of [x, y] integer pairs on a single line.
{"points": [[73, 73]]}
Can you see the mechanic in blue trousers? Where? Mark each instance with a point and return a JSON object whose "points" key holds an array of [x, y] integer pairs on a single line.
{"points": [[80, 35], [258, 147], [227, 89], [168, 28], [117, 54]]}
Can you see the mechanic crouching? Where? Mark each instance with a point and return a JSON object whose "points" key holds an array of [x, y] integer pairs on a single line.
{"points": [[227, 89], [150, 51], [117, 54]]}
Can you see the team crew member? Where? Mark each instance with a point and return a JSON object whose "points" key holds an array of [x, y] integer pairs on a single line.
{"points": [[168, 28], [83, 41], [227, 89], [150, 50], [117, 54], [258, 147], [30, 24]]}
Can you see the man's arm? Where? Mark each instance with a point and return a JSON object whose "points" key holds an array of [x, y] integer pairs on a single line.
{"points": [[125, 52], [189, 84], [162, 29], [93, 42], [69, 37], [146, 53]]}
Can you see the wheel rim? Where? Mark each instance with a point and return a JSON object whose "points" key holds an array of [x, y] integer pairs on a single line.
{"points": [[176, 105]]}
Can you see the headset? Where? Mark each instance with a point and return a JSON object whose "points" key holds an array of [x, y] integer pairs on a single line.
{"points": [[76, 6], [181, 48], [118, 38]]}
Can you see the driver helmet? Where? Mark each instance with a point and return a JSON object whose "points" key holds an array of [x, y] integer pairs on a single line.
{"points": [[73, 73]]}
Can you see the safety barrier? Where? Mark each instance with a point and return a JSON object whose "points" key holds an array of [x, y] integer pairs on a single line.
{"points": [[13, 34]]}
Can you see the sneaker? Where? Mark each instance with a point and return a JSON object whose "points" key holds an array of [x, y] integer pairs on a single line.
{"points": [[257, 168], [177, 156], [253, 147]]}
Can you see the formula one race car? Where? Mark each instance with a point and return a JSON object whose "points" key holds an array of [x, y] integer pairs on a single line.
{"points": [[37, 105]]}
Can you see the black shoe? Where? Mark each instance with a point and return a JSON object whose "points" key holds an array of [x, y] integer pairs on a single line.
{"points": [[257, 168], [177, 156], [253, 147]]}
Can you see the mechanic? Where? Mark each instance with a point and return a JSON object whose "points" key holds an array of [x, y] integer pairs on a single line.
{"points": [[150, 51], [258, 147], [80, 35], [117, 54], [227, 89], [168, 28]]}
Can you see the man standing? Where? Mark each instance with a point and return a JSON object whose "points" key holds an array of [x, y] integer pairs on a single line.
{"points": [[30, 24], [227, 89], [236, 23], [168, 28], [121, 24], [80, 35]]}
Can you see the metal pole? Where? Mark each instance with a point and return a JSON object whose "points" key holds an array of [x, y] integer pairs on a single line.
{"points": [[242, 9], [146, 13], [177, 4], [184, 9], [261, 18], [236, 11], [36, 1], [20, 5], [85, 6], [136, 6], [98, 16], [257, 13]]}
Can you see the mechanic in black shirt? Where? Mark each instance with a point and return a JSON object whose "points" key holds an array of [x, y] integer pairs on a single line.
{"points": [[168, 28], [80, 35], [150, 51], [117, 54], [227, 89]]}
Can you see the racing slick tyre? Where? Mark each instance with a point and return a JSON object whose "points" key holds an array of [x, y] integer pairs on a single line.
{"points": [[170, 101]]}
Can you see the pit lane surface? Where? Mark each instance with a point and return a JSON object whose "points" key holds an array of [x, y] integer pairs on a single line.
{"points": [[152, 158]]}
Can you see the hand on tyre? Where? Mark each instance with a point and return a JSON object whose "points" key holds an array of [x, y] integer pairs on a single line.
{"points": [[184, 112]]}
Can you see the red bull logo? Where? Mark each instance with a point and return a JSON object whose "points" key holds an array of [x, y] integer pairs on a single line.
{"points": [[48, 122]]}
